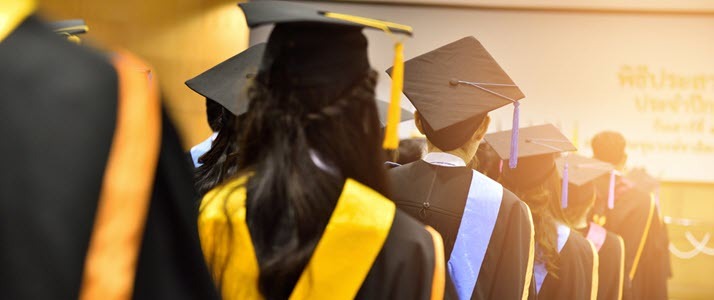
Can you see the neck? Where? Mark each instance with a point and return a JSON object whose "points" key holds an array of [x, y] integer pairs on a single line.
{"points": [[465, 153], [581, 222]]}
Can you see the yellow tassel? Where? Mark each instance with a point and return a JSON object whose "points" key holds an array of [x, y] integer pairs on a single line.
{"points": [[74, 39], [391, 133]]}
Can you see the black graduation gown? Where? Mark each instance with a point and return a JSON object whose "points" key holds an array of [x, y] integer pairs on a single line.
{"points": [[404, 268], [575, 272], [504, 267], [611, 279], [57, 120], [629, 219]]}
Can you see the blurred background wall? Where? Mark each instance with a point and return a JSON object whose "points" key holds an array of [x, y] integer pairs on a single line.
{"points": [[181, 38]]}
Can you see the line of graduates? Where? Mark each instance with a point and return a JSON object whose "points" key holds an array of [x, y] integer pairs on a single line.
{"points": [[295, 198]]}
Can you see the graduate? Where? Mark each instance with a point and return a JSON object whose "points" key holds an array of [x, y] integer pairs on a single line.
{"points": [[96, 200], [566, 263], [487, 230], [306, 215], [634, 216], [582, 173]]}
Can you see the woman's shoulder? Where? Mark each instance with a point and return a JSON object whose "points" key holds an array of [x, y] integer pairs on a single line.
{"points": [[577, 244], [230, 195], [578, 252]]}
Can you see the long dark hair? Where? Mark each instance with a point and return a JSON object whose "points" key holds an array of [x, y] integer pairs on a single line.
{"points": [[544, 202], [299, 145], [219, 162]]}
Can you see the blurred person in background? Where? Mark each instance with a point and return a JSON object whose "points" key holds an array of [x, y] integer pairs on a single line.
{"points": [[634, 216], [566, 263], [96, 200], [582, 174]]}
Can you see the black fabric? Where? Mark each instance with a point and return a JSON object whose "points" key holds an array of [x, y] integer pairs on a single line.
{"points": [[531, 171], [404, 268], [258, 13], [313, 55], [609, 271], [610, 255], [532, 141], [628, 219], [59, 106], [445, 189], [453, 136], [581, 196], [574, 274], [226, 83], [57, 118], [171, 264]]}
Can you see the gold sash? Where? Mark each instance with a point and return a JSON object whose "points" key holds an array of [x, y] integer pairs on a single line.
{"points": [[353, 238], [110, 264], [12, 13]]}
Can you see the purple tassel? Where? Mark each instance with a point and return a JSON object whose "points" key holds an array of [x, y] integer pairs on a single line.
{"points": [[513, 160], [611, 192], [564, 200]]}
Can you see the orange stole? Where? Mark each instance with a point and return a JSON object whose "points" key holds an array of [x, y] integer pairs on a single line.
{"points": [[110, 264]]}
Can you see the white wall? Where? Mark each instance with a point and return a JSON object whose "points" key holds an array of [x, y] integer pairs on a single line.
{"points": [[571, 67]]}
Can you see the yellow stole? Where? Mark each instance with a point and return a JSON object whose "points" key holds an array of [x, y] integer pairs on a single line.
{"points": [[12, 13], [342, 258]]}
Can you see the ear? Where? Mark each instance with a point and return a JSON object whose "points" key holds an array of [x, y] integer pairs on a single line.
{"points": [[417, 122]]}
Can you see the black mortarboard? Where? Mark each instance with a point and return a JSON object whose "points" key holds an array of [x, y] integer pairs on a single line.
{"points": [[226, 82], [538, 148], [643, 180], [322, 48], [582, 172], [454, 87], [70, 29]]}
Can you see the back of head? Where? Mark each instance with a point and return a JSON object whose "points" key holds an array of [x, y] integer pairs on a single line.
{"points": [[411, 150], [221, 161], [609, 146], [298, 143], [487, 161], [542, 195], [214, 114], [580, 201]]}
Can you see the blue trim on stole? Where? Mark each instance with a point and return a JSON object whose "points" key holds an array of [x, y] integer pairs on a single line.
{"points": [[539, 270], [477, 223]]}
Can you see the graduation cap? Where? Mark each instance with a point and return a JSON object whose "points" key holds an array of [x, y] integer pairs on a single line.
{"points": [[322, 48], [70, 29], [226, 82], [581, 174], [453, 88], [645, 182], [539, 146]]}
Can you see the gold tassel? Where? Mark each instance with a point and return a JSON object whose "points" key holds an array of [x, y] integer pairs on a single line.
{"points": [[391, 133]]}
